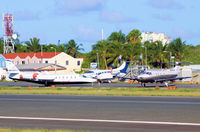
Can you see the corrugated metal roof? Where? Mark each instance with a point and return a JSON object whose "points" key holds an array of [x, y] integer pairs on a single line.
{"points": [[35, 66], [24, 55]]}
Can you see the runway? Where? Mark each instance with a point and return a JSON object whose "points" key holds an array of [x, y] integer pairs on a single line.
{"points": [[101, 113], [95, 85]]}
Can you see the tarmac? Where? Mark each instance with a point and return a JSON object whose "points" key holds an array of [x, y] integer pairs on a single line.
{"points": [[101, 113]]}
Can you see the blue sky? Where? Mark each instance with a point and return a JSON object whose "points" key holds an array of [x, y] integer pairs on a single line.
{"points": [[83, 20]]}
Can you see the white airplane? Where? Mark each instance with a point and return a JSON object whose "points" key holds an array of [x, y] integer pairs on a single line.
{"points": [[45, 78], [102, 75], [159, 76]]}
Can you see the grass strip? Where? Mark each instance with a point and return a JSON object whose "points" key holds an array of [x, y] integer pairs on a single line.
{"points": [[102, 91], [38, 130]]}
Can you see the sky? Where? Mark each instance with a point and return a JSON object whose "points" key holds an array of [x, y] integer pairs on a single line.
{"points": [[83, 20]]}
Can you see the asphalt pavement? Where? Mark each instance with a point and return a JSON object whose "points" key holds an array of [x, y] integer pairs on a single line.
{"points": [[101, 113], [112, 85]]}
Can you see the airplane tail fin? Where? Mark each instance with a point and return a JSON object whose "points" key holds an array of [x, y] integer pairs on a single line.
{"points": [[11, 67], [123, 67]]}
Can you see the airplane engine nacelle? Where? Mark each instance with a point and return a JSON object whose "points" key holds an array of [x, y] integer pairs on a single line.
{"points": [[105, 76]]}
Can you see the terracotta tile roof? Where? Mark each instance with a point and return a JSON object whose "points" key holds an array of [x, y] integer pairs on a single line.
{"points": [[24, 55]]}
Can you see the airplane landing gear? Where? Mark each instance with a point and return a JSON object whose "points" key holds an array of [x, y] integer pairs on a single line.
{"points": [[143, 84], [166, 84], [46, 83]]}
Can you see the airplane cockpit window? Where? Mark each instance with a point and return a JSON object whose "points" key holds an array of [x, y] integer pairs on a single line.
{"points": [[84, 76], [148, 73], [90, 72]]}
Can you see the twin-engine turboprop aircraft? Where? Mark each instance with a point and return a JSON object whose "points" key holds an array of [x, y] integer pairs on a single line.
{"points": [[159, 76], [45, 78], [102, 75]]}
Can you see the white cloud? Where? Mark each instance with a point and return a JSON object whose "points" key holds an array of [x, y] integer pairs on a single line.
{"points": [[183, 33], [26, 15], [114, 16], [165, 4], [78, 6], [164, 17], [89, 34]]}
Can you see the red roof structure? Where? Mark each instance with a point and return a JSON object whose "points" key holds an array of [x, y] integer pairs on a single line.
{"points": [[39, 55]]}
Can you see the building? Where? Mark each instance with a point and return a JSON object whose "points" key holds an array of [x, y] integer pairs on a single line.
{"points": [[152, 37], [61, 59]]}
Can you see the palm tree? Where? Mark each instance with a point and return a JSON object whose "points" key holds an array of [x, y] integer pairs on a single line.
{"points": [[1, 45], [33, 45], [116, 50], [134, 36], [19, 48], [72, 48], [102, 49], [177, 47], [117, 37], [133, 51], [156, 53]]}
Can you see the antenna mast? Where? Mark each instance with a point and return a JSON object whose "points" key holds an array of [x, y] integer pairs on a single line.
{"points": [[8, 36]]}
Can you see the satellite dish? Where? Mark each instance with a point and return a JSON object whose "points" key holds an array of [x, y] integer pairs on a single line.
{"points": [[14, 36]]}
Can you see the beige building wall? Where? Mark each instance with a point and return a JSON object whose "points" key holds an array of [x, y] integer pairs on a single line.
{"points": [[151, 36], [73, 64], [65, 60]]}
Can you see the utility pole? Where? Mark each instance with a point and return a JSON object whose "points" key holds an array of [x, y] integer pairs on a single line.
{"points": [[55, 57], [98, 60]]}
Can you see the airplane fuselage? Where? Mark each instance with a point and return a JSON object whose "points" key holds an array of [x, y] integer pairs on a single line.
{"points": [[152, 76]]}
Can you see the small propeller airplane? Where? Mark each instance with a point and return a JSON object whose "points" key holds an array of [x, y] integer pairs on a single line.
{"points": [[158, 76], [102, 75]]}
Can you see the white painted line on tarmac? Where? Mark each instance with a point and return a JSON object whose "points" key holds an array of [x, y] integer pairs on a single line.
{"points": [[102, 121]]}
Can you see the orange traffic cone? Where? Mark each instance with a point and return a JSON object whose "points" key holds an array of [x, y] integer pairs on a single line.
{"points": [[135, 82], [99, 84], [129, 81]]}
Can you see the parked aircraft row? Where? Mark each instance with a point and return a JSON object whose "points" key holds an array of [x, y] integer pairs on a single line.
{"points": [[47, 78], [149, 76]]}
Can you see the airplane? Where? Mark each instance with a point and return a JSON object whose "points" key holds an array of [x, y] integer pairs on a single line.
{"points": [[45, 78], [102, 75], [158, 76]]}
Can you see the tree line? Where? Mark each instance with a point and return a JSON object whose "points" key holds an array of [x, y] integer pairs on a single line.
{"points": [[119, 47], [33, 45]]}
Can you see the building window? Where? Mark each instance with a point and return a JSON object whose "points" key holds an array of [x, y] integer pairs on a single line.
{"points": [[28, 61], [46, 61], [78, 63], [67, 62], [23, 62], [17, 62]]}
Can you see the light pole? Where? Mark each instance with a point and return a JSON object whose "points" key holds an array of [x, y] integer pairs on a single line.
{"points": [[145, 54], [170, 56], [55, 57]]}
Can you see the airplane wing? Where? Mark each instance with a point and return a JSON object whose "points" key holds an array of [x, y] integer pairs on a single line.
{"points": [[172, 79]]}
